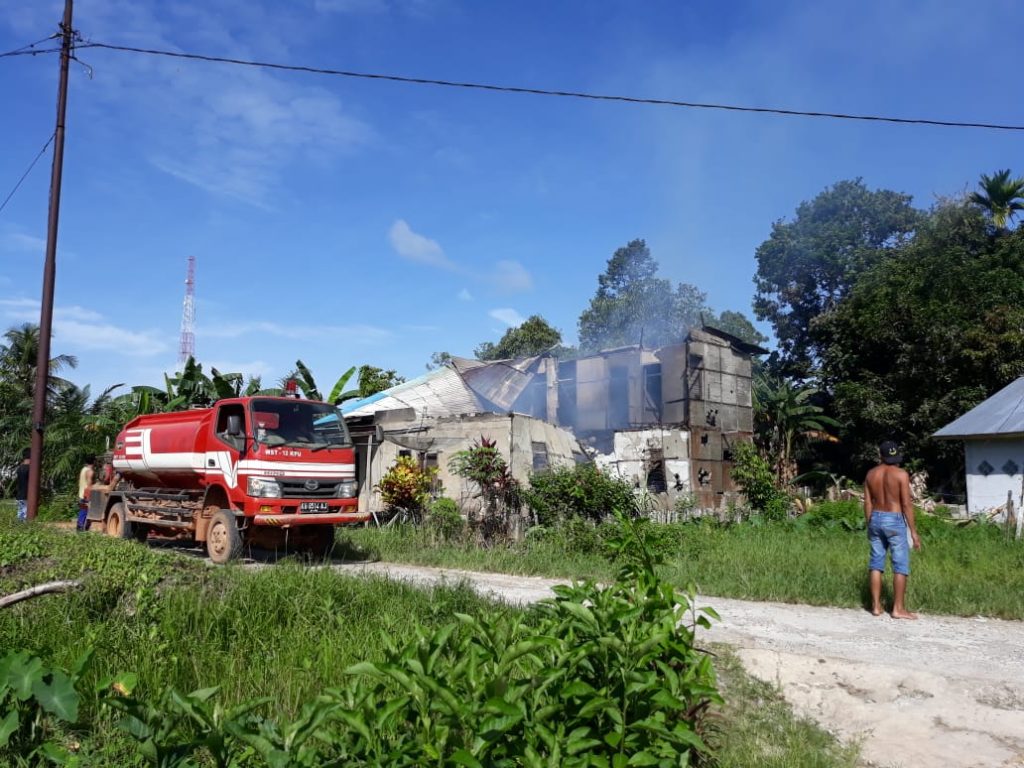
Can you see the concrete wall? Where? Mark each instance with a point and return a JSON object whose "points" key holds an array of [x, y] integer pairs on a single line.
{"points": [[513, 434], [635, 451], [985, 493]]}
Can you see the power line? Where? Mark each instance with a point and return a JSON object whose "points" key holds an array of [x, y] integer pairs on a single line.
{"points": [[27, 50], [27, 171], [556, 93]]}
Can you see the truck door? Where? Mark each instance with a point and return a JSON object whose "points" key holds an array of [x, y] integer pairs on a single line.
{"points": [[229, 440]]}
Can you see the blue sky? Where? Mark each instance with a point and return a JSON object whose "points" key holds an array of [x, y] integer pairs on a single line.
{"points": [[346, 221]]}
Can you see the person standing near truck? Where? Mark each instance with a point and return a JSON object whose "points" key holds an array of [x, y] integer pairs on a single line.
{"points": [[21, 492], [889, 513], [85, 478]]}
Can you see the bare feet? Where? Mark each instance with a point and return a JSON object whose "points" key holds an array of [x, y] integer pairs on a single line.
{"points": [[904, 615], [876, 611]]}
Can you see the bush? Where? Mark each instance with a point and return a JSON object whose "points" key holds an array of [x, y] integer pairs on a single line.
{"points": [[445, 520], [755, 478], [579, 491], [406, 485], [596, 676]]}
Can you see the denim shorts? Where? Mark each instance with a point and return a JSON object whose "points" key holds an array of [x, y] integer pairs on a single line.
{"points": [[888, 531]]}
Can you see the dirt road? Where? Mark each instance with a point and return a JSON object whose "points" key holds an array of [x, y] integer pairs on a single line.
{"points": [[935, 692]]}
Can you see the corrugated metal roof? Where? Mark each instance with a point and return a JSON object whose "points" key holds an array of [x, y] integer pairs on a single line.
{"points": [[1000, 415], [438, 393], [503, 381]]}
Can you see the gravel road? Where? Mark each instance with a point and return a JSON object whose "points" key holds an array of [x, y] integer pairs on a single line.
{"points": [[941, 691]]}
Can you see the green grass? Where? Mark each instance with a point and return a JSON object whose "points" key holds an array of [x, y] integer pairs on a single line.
{"points": [[960, 571], [761, 729], [284, 631]]}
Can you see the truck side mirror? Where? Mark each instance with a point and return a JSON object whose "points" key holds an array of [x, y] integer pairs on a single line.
{"points": [[235, 425]]}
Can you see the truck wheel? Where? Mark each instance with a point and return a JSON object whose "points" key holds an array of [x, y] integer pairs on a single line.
{"points": [[321, 542], [117, 524], [223, 539]]}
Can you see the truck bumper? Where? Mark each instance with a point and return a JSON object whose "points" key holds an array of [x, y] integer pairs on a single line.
{"points": [[310, 518]]}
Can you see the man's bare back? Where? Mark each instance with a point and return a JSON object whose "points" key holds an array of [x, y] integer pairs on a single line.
{"points": [[889, 489], [889, 516]]}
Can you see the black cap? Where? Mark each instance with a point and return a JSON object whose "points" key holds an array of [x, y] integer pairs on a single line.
{"points": [[890, 452]]}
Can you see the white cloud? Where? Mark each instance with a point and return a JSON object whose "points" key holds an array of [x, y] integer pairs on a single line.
{"points": [[78, 328], [232, 131], [511, 276], [465, 295], [508, 316], [23, 243], [416, 247], [355, 334]]}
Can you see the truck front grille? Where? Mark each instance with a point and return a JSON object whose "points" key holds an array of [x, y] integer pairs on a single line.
{"points": [[296, 489]]}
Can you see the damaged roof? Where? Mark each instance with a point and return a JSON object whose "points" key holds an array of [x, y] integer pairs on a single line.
{"points": [[1001, 415], [438, 393]]}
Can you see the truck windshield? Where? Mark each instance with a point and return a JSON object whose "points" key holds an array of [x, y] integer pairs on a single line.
{"points": [[298, 423]]}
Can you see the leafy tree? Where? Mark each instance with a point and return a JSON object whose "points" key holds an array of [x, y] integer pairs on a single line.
{"points": [[1000, 197], [926, 335], [438, 360], [739, 326], [786, 418], [807, 266], [373, 380], [634, 305], [533, 337]]}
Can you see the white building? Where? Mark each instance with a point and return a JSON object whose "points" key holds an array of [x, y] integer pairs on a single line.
{"points": [[993, 436]]}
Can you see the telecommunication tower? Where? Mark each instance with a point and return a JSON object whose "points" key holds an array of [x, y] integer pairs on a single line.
{"points": [[187, 347]]}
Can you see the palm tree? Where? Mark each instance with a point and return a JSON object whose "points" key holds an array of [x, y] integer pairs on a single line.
{"points": [[785, 419], [1000, 197], [18, 357]]}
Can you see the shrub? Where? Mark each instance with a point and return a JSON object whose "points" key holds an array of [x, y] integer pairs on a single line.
{"points": [[582, 490], [445, 520], [406, 485], [483, 465], [596, 676], [757, 480]]}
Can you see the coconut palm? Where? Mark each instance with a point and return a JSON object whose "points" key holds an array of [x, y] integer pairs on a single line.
{"points": [[1000, 197], [785, 419]]}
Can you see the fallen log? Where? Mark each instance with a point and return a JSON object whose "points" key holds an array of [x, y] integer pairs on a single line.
{"points": [[39, 589]]}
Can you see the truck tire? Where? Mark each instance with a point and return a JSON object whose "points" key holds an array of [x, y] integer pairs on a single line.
{"points": [[223, 539], [117, 523], [321, 542]]}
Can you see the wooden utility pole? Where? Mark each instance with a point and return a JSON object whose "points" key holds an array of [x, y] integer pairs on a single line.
{"points": [[49, 273]]}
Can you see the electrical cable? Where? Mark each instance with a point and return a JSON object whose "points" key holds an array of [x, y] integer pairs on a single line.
{"points": [[25, 49], [27, 171], [556, 93]]}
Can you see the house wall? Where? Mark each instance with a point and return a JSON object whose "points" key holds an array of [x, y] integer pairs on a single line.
{"points": [[985, 493], [515, 437], [637, 451]]}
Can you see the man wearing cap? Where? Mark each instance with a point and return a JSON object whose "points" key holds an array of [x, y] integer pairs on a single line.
{"points": [[889, 513]]}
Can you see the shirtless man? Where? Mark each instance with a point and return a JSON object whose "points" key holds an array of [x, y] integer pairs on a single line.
{"points": [[889, 514]]}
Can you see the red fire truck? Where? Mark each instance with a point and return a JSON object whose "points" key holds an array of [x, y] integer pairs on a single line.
{"points": [[270, 471]]}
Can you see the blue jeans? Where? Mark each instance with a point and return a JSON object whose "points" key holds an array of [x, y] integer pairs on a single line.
{"points": [[83, 510], [22, 509], [888, 531]]}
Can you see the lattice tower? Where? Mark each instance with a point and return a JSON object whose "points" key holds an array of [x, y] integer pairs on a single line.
{"points": [[187, 347]]}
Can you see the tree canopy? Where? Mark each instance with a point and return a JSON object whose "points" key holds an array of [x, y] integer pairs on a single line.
{"points": [[533, 337], [927, 334], [373, 380], [633, 305], [808, 265]]}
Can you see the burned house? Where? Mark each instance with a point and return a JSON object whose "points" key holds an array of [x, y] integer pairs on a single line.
{"points": [[663, 419]]}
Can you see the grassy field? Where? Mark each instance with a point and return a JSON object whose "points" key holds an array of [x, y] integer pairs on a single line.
{"points": [[286, 632], [962, 571]]}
